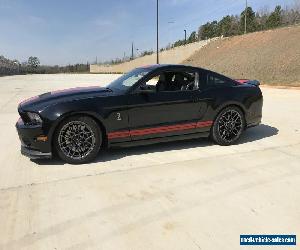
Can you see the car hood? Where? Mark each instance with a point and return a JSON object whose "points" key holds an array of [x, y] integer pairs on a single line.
{"points": [[41, 101]]}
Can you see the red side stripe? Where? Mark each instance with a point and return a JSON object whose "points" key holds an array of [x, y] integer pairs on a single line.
{"points": [[204, 124], [162, 129], [156, 130], [119, 134]]}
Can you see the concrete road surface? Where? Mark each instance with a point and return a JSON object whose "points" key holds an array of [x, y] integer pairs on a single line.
{"points": [[179, 195]]}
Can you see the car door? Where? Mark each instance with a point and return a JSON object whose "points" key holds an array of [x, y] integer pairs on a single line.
{"points": [[164, 113]]}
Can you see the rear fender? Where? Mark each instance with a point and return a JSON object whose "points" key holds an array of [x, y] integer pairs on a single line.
{"points": [[246, 81]]}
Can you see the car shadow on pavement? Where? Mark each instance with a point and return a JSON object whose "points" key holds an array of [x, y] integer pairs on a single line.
{"points": [[257, 133], [250, 135]]}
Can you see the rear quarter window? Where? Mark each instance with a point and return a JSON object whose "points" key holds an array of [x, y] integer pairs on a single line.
{"points": [[217, 80]]}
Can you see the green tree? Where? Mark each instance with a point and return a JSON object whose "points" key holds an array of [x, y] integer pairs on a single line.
{"points": [[193, 37], [275, 18], [179, 43], [251, 20], [209, 30], [33, 62], [228, 26]]}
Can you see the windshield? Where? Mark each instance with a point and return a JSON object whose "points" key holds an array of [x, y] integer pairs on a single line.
{"points": [[126, 81]]}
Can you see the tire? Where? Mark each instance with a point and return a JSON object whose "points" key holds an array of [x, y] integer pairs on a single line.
{"points": [[78, 139], [228, 126]]}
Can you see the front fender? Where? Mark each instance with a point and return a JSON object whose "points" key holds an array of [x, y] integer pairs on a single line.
{"points": [[53, 115]]}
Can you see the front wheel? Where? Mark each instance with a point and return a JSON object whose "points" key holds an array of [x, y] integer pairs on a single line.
{"points": [[78, 139], [228, 126]]}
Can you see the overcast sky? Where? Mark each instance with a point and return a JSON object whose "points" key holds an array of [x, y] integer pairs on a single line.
{"points": [[76, 31]]}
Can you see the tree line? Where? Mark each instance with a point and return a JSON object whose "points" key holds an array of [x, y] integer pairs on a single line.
{"points": [[255, 21], [33, 66]]}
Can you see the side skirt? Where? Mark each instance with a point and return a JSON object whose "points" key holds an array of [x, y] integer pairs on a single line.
{"points": [[158, 140]]}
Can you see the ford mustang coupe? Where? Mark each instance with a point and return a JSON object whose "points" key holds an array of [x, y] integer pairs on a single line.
{"points": [[147, 105]]}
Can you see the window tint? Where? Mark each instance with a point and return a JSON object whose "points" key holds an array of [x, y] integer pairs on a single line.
{"points": [[174, 81], [215, 80]]}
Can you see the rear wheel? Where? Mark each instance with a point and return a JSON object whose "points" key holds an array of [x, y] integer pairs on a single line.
{"points": [[228, 126], [78, 139]]}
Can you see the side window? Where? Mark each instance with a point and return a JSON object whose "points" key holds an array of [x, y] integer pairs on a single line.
{"points": [[153, 81], [183, 81], [160, 82], [156, 83], [216, 80], [173, 81]]}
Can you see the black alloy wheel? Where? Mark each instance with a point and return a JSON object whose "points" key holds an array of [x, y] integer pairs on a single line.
{"points": [[228, 126], [78, 139]]}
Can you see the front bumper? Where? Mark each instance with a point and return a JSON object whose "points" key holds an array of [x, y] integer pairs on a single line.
{"points": [[30, 146], [34, 154]]}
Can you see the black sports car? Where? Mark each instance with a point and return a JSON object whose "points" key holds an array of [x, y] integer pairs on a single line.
{"points": [[147, 105]]}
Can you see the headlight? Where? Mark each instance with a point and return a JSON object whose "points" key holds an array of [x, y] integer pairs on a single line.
{"points": [[34, 118]]}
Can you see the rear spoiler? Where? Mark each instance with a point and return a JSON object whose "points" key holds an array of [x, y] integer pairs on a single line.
{"points": [[252, 82]]}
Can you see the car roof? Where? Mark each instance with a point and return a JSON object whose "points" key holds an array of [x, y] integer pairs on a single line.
{"points": [[162, 66], [179, 66]]}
